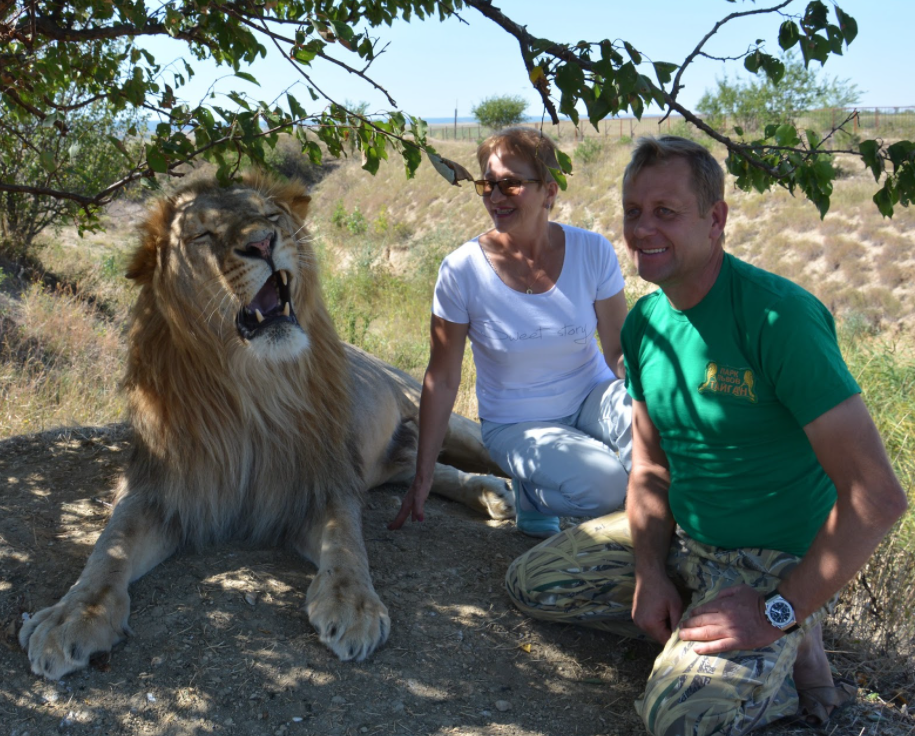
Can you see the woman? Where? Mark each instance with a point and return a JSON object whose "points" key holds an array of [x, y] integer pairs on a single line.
{"points": [[530, 293]]}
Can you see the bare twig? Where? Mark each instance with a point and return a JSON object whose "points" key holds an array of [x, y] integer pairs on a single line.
{"points": [[676, 86]]}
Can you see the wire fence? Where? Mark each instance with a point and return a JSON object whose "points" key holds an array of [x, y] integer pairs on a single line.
{"points": [[871, 122]]}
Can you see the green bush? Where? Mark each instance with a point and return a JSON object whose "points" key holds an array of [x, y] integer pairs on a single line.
{"points": [[588, 151], [500, 111]]}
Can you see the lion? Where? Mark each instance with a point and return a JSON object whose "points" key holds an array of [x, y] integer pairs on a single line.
{"points": [[251, 420]]}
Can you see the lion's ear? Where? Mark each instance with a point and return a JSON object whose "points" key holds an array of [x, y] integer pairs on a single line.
{"points": [[153, 231], [299, 205]]}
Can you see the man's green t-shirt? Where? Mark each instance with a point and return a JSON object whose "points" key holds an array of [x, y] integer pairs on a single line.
{"points": [[730, 384]]}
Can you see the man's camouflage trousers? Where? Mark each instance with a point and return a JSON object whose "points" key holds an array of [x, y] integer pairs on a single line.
{"points": [[586, 576]]}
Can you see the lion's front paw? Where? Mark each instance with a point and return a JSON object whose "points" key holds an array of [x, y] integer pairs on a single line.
{"points": [[347, 614], [61, 638], [495, 496]]}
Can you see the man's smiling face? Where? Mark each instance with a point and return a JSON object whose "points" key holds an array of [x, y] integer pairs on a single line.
{"points": [[671, 243]]}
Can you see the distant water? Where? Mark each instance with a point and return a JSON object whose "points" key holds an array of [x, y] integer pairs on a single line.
{"points": [[466, 120]]}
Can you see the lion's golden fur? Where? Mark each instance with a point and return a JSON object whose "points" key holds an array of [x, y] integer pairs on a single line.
{"points": [[230, 442]]}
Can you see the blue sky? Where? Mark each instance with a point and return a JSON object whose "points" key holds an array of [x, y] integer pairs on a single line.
{"points": [[431, 68]]}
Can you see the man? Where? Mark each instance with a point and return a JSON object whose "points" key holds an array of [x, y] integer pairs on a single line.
{"points": [[759, 483]]}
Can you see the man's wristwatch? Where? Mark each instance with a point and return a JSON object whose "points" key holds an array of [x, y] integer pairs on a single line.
{"points": [[780, 613]]}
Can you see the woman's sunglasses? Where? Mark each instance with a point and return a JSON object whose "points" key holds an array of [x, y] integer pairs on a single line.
{"points": [[508, 187]]}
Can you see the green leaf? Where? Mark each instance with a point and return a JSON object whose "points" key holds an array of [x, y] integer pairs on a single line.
{"points": [[248, 77], [884, 200], [297, 111], [813, 138], [156, 160], [413, 157], [565, 161], [304, 55], [816, 16], [738, 130], [664, 71], [370, 160], [788, 34], [901, 152], [633, 54], [119, 144], [786, 135], [847, 25], [815, 48], [870, 154], [314, 152], [635, 104], [752, 61], [774, 68], [560, 178], [46, 158]]}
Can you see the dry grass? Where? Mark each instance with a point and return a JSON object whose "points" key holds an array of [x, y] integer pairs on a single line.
{"points": [[60, 364]]}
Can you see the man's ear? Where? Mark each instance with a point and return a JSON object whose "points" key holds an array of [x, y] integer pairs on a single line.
{"points": [[719, 217]]}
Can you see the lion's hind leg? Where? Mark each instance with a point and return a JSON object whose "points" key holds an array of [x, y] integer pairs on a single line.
{"points": [[463, 450], [92, 616], [484, 493]]}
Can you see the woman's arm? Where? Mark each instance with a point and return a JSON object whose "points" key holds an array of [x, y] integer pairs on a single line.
{"points": [[440, 387], [611, 313]]}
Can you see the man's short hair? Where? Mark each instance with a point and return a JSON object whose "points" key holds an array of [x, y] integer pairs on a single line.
{"points": [[523, 142], [707, 174]]}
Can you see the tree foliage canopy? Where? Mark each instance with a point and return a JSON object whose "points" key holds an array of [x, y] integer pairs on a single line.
{"points": [[32, 152], [95, 46], [500, 111], [752, 104]]}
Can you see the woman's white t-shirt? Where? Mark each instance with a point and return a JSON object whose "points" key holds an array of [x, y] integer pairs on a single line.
{"points": [[536, 355]]}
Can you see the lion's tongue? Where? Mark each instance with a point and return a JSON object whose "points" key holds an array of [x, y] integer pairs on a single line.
{"points": [[266, 299]]}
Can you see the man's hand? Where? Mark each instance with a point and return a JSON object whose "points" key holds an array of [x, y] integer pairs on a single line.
{"points": [[734, 620], [657, 607], [412, 506]]}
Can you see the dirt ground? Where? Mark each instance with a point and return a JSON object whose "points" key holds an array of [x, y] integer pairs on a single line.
{"points": [[221, 644]]}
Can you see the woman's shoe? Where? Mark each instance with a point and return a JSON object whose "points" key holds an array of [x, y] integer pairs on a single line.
{"points": [[533, 523]]}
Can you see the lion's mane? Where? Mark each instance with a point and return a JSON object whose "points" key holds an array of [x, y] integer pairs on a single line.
{"points": [[233, 443]]}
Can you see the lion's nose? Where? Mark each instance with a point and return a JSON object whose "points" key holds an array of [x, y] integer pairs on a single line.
{"points": [[260, 248]]}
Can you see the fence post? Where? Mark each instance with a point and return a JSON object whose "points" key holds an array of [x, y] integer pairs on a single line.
{"points": [[876, 118]]}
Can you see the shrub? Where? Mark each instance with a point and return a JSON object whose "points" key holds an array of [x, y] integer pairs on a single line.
{"points": [[500, 111]]}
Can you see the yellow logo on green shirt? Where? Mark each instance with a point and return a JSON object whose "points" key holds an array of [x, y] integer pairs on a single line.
{"points": [[722, 379]]}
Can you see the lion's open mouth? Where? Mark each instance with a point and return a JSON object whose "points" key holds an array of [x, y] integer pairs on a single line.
{"points": [[271, 305]]}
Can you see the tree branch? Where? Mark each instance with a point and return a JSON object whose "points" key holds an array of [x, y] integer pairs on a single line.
{"points": [[676, 86]]}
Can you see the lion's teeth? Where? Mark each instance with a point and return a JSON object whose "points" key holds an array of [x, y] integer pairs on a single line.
{"points": [[260, 317], [283, 279], [286, 310]]}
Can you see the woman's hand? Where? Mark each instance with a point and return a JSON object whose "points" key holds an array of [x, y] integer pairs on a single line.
{"points": [[413, 505]]}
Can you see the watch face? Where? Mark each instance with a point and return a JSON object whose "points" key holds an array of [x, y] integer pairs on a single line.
{"points": [[780, 612]]}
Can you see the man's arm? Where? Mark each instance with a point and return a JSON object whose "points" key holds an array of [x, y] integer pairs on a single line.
{"points": [[869, 501], [657, 605]]}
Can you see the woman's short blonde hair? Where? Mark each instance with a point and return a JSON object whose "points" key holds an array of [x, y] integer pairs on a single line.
{"points": [[528, 144]]}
